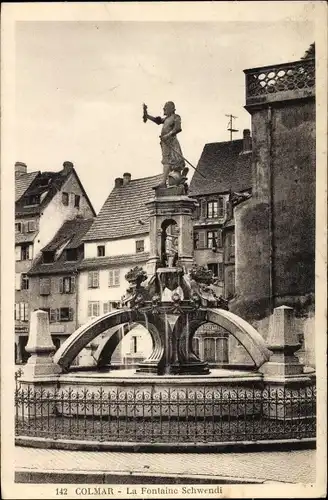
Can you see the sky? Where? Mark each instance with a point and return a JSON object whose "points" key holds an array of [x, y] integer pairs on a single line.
{"points": [[80, 87]]}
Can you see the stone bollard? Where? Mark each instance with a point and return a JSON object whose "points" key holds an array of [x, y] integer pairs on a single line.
{"points": [[35, 397], [41, 347], [289, 388]]}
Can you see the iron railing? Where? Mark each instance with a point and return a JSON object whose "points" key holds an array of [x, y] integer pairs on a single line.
{"points": [[202, 415]]}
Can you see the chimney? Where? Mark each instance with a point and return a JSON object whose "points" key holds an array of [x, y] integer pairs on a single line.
{"points": [[126, 178], [68, 167], [20, 168], [118, 182], [247, 141]]}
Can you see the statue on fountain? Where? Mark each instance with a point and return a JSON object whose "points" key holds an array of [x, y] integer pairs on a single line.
{"points": [[174, 167]]}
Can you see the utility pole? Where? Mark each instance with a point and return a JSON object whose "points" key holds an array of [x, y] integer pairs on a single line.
{"points": [[230, 127]]}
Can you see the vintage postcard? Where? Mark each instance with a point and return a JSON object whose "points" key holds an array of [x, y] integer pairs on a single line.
{"points": [[163, 249]]}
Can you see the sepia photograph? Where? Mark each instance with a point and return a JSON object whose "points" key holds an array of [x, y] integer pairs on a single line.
{"points": [[163, 250]]}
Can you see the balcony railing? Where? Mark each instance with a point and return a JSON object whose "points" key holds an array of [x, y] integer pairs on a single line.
{"points": [[280, 82]]}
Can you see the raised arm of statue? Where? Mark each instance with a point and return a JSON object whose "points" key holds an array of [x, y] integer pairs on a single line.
{"points": [[156, 119]]}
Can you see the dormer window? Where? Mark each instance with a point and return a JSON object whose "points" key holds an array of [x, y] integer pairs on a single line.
{"points": [[101, 250], [48, 257], [71, 254], [33, 199]]}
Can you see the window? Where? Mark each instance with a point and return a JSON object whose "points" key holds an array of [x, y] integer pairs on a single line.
{"points": [[18, 227], [93, 309], [114, 277], [110, 306], [67, 284], [71, 254], [21, 311], [217, 269], [211, 239], [93, 279], [61, 314], [216, 208], [214, 268], [77, 201], [24, 281], [23, 252], [101, 250], [140, 246], [31, 226], [48, 257], [32, 200], [45, 286], [65, 314], [212, 209], [65, 199]]}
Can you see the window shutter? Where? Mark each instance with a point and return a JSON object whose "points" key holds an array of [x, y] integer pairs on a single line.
{"points": [[219, 238], [201, 239], [89, 310], [17, 253], [26, 312], [90, 281], [21, 311], [17, 316], [220, 271], [17, 281], [220, 206], [44, 286], [110, 278], [106, 308], [117, 276], [73, 284], [70, 314], [61, 285], [203, 209], [96, 279], [97, 308]]}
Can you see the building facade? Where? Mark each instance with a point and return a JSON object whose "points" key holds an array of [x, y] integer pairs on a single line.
{"points": [[44, 200], [117, 241], [54, 278], [223, 172]]}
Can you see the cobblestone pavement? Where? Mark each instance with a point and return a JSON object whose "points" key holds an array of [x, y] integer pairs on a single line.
{"points": [[296, 466]]}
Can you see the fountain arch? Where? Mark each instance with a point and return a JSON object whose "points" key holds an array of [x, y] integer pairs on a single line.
{"points": [[112, 321]]}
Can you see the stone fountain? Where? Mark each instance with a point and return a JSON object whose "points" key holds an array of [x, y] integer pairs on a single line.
{"points": [[171, 298]]}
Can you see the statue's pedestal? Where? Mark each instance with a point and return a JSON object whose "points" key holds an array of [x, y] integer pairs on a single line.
{"points": [[170, 207]]}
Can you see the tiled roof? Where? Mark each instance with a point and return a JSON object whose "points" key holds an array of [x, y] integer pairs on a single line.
{"points": [[124, 213], [117, 260], [71, 231], [22, 182], [224, 168], [45, 185], [25, 237]]}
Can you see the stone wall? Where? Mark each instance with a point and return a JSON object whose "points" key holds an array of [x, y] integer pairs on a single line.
{"points": [[275, 230]]}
